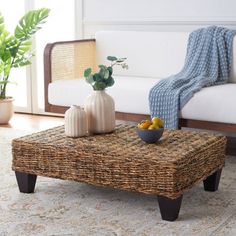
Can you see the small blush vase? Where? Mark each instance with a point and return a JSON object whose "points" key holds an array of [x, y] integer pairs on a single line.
{"points": [[75, 122], [100, 109]]}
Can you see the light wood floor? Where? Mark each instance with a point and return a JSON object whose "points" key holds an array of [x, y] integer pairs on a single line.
{"points": [[33, 122]]}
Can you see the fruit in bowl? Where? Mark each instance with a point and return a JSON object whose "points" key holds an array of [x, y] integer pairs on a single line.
{"points": [[150, 131]]}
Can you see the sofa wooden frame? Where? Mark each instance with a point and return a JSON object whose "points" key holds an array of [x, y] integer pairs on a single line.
{"points": [[199, 124]]}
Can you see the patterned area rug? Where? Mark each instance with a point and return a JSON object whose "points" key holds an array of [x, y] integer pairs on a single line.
{"points": [[69, 208]]}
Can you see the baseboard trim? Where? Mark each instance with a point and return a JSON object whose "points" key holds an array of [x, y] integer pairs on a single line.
{"points": [[162, 21]]}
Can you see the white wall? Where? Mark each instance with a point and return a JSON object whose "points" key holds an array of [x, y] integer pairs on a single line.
{"points": [[156, 15]]}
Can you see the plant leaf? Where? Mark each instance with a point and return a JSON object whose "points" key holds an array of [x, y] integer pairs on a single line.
{"points": [[24, 47], [104, 72], [102, 66], [99, 85], [2, 82], [1, 68], [7, 67], [87, 72], [30, 23], [2, 25], [110, 81], [90, 79], [110, 69], [121, 60], [96, 77], [22, 61], [111, 58]]}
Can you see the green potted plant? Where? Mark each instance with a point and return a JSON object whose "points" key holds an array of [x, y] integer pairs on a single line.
{"points": [[103, 78], [15, 51], [100, 106]]}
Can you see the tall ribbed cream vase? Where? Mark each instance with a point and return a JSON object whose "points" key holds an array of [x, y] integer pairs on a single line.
{"points": [[76, 124], [100, 109]]}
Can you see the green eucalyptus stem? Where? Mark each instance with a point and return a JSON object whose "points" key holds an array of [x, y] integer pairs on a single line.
{"points": [[112, 64], [115, 63]]}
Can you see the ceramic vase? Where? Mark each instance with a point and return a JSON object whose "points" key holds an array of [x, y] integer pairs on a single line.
{"points": [[76, 122], [100, 109], [6, 110]]}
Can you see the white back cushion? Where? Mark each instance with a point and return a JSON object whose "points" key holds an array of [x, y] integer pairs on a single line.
{"points": [[150, 54]]}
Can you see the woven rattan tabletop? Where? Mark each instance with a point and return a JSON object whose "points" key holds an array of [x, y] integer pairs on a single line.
{"points": [[174, 144], [121, 159]]}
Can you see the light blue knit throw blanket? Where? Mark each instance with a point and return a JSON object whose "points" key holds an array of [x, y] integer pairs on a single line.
{"points": [[207, 63]]}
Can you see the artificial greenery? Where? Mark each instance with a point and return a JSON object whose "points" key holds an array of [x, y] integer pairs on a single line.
{"points": [[103, 78], [15, 49]]}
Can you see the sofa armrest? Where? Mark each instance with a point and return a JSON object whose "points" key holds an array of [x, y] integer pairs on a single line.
{"points": [[67, 60]]}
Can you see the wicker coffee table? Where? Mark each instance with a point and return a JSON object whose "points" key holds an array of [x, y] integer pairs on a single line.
{"points": [[180, 160]]}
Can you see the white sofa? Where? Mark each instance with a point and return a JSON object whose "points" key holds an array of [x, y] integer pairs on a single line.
{"points": [[152, 56]]}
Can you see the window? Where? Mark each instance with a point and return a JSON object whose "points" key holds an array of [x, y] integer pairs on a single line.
{"points": [[60, 26], [20, 83], [28, 82]]}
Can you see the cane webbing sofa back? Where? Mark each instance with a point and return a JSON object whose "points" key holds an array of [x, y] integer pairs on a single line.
{"points": [[69, 60]]}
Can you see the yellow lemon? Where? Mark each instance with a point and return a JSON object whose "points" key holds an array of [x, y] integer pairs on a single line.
{"points": [[158, 122], [156, 126], [145, 124], [152, 127]]}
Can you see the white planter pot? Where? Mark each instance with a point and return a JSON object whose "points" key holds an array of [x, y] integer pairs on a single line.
{"points": [[76, 122], [6, 110], [100, 109]]}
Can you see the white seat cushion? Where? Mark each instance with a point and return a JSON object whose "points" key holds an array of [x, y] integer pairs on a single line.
{"points": [[214, 103], [130, 93], [68, 92]]}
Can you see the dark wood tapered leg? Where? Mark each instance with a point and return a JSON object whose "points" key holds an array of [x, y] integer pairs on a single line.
{"points": [[211, 183], [169, 208], [26, 182]]}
